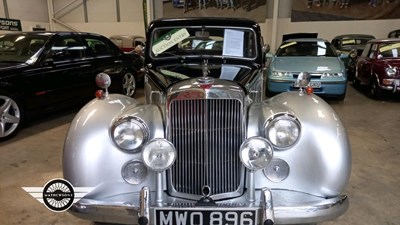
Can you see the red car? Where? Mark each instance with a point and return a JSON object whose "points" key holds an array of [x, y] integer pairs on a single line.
{"points": [[379, 67]]}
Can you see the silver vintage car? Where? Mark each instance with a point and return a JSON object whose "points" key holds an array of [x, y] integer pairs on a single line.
{"points": [[206, 147]]}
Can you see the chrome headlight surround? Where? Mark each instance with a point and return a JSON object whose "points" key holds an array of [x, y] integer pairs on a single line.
{"points": [[391, 71], [256, 153], [159, 154], [283, 130], [129, 133]]}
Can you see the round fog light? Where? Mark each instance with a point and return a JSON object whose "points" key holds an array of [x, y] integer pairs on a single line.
{"points": [[256, 153], [134, 172], [159, 154]]}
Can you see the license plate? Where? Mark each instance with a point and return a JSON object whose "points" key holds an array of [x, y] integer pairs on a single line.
{"points": [[206, 216], [314, 84]]}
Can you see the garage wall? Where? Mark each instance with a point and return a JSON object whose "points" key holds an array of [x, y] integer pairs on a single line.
{"points": [[101, 15], [325, 29], [32, 13], [102, 18]]}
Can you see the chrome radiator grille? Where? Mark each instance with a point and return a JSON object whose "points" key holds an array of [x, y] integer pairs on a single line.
{"points": [[207, 134]]}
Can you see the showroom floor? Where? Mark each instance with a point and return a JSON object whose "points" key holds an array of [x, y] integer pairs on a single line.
{"points": [[34, 157]]}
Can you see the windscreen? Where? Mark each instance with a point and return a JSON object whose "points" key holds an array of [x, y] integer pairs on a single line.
{"points": [[306, 48], [355, 41], [390, 50], [203, 41]]}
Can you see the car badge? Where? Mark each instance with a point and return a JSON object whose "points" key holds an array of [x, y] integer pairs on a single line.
{"points": [[205, 82]]}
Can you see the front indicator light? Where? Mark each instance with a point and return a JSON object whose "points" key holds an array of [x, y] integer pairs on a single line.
{"points": [[277, 170], [134, 172], [256, 153], [159, 154], [387, 81]]}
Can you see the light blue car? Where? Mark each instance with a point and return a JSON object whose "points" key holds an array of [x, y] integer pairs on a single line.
{"points": [[315, 56]]}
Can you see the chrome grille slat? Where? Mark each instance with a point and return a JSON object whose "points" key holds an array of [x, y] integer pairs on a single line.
{"points": [[207, 134]]}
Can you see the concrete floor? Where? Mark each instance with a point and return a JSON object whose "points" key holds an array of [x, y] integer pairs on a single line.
{"points": [[34, 157]]}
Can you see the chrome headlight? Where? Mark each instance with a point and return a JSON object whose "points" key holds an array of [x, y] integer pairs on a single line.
{"points": [[129, 133], [281, 74], [256, 153], [391, 71], [283, 130], [159, 154]]}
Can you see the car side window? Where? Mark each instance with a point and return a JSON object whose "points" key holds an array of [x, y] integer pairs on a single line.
{"points": [[100, 46], [67, 48], [372, 52]]}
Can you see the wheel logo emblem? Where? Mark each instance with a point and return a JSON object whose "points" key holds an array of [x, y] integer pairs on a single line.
{"points": [[58, 195]]}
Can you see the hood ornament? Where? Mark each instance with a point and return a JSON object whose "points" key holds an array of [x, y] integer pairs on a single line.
{"points": [[204, 68], [206, 200]]}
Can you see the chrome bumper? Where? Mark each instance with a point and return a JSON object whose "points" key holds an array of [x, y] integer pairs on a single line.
{"points": [[273, 206]]}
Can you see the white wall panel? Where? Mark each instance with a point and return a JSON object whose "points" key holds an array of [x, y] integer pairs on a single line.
{"points": [[131, 10], [108, 29], [102, 11], [72, 14], [329, 29], [28, 10]]}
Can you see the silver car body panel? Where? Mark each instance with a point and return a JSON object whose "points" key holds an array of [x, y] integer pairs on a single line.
{"points": [[307, 195]]}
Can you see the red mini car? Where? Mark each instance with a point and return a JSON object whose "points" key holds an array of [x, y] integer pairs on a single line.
{"points": [[379, 67]]}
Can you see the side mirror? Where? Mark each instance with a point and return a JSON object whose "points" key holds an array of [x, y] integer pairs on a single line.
{"points": [[380, 56]]}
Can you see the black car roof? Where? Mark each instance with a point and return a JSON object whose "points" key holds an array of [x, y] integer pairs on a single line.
{"points": [[354, 35], [52, 33], [207, 21], [384, 40]]}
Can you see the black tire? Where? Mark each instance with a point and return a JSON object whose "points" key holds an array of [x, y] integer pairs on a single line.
{"points": [[356, 82], [129, 84], [11, 116], [374, 90], [341, 97]]}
